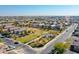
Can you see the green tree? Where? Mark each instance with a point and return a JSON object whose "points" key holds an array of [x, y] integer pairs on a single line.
{"points": [[59, 48]]}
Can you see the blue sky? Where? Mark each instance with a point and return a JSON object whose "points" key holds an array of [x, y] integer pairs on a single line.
{"points": [[38, 10]]}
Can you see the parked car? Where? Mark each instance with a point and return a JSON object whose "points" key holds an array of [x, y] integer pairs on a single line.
{"points": [[74, 48], [16, 43]]}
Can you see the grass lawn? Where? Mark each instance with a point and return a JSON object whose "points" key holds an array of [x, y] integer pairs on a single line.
{"points": [[1, 40], [27, 38]]}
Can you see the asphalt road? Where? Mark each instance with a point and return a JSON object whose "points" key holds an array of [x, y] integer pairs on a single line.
{"points": [[10, 42]]}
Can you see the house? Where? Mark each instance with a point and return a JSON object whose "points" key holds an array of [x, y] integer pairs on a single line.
{"points": [[35, 24], [49, 35], [57, 26], [19, 30], [52, 26], [41, 24]]}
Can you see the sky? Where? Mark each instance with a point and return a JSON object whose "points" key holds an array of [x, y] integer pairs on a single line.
{"points": [[39, 10]]}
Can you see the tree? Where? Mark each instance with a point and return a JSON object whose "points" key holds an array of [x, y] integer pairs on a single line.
{"points": [[1, 30], [59, 48], [16, 23], [14, 37], [6, 34]]}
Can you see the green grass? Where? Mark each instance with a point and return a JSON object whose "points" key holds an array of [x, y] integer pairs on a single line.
{"points": [[27, 38], [1, 40]]}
